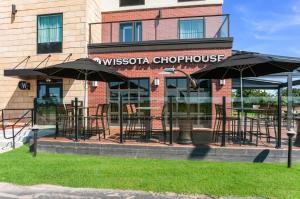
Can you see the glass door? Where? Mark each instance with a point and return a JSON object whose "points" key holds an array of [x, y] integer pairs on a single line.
{"points": [[49, 95], [50, 92]]}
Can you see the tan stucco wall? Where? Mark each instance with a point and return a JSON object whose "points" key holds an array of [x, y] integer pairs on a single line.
{"points": [[18, 40]]}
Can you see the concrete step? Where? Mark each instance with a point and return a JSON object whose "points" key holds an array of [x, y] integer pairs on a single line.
{"points": [[23, 137], [7, 144]]}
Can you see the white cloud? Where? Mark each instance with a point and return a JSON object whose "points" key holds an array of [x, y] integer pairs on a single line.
{"points": [[270, 21], [274, 23], [294, 51], [268, 37], [296, 7]]}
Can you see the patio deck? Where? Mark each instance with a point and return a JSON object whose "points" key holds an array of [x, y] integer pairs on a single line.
{"points": [[201, 149]]}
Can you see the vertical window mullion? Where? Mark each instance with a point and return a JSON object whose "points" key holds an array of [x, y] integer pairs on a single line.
{"points": [[133, 31]]}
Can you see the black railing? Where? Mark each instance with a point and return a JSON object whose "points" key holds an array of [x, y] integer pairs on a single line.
{"points": [[192, 27], [25, 119]]}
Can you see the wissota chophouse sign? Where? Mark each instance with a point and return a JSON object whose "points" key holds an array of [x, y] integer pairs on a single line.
{"points": [[160, 60]]}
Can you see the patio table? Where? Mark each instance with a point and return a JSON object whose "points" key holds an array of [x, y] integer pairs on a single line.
{"points": [[246, 111], [148, 123]]}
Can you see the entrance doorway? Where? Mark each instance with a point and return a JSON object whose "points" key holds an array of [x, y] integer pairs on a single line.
{"points": [[50, 92], [49, 95]]}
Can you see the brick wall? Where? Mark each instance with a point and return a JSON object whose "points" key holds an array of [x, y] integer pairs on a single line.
{"points": [[99, 94], [165, 13], [166, 28]]}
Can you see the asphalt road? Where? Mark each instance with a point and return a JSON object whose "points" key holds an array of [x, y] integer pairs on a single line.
{"points": [[9, 191]]}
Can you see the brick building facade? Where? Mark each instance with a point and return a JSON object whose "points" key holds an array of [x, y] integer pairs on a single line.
{"points": [[160, 35]]}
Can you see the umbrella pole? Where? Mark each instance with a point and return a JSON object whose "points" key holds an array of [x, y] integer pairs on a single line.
{"points": [[290, 101], [85, 110], [242, 109], [85, 90]]}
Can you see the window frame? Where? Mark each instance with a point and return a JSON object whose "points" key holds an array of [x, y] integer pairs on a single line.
{"points": [[122, 5], [128, 90], [54, 82], [192, 19], [181, 89], [133, 26], [62, 32]]}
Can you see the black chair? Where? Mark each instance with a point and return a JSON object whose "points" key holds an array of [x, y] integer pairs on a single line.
{"points": [[163, 120], [231, 121], [262, 124], [91, 123], [105, 119], [135, 125], [64, 119]]}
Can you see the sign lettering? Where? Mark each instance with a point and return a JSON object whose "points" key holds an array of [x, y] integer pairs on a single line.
{"points": [[160, 60], [24, 85]]}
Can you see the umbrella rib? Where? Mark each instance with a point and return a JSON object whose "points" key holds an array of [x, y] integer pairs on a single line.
{"points": [[253, 71], [274, 64], [58, 70], [101, 76], [223, 77]]}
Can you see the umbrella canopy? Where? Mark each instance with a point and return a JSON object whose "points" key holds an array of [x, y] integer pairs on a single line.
{"points": [[248, 64], [83, 69]]}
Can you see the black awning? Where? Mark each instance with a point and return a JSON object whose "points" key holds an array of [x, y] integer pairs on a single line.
{"points": [[24, 73]]}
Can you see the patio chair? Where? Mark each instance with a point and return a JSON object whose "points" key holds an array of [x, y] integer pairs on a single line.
{"points": [[105, 119], [92, 123], [262, 125], [64, 119], [232, 125], [163, 120], [133, 128]]}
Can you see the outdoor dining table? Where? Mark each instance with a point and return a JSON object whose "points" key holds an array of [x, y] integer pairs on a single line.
{"points": [[246, 111], [83, 112], [148, 122]]}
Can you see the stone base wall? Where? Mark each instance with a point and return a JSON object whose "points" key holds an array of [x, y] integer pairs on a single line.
{"points": [[170, 152]]}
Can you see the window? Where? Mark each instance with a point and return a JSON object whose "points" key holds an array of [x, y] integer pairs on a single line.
{"points": [[131, 31], [201, 104], [131, 2], [191, 29], [49, 33], [134, 91]]}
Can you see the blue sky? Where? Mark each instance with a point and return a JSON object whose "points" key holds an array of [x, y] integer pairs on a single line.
{"points": [[266, 26]]}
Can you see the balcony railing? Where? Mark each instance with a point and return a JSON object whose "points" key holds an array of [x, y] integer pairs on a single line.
{"points": [[196, 27]]}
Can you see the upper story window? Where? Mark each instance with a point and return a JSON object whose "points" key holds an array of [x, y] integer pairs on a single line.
{"points": [[131, 31], [131, 2], [49, 33], [191, 29]]}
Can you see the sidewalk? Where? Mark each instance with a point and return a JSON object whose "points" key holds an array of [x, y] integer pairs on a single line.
{"points": [[9, 191]]}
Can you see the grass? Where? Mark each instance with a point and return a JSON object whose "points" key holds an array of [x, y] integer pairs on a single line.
{"points": [[189, 177]]}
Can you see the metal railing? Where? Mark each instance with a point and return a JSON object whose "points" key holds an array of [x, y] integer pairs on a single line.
{"points": [[175, 28], [18, 122]]}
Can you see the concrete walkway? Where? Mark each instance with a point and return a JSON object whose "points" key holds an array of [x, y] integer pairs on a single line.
{"points": [[9, 191]]}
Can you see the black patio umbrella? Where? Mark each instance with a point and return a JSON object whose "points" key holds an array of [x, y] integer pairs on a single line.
{"points": [[83, 69], [248, 64]]}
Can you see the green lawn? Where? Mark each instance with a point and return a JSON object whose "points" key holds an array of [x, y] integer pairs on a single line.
{"points": [[191, 177]]}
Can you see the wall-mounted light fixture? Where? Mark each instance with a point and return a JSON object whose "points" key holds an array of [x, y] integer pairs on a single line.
{"points": [[94, 84], [156, 81], [14, 9], [222, 82], [48, 80]]}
